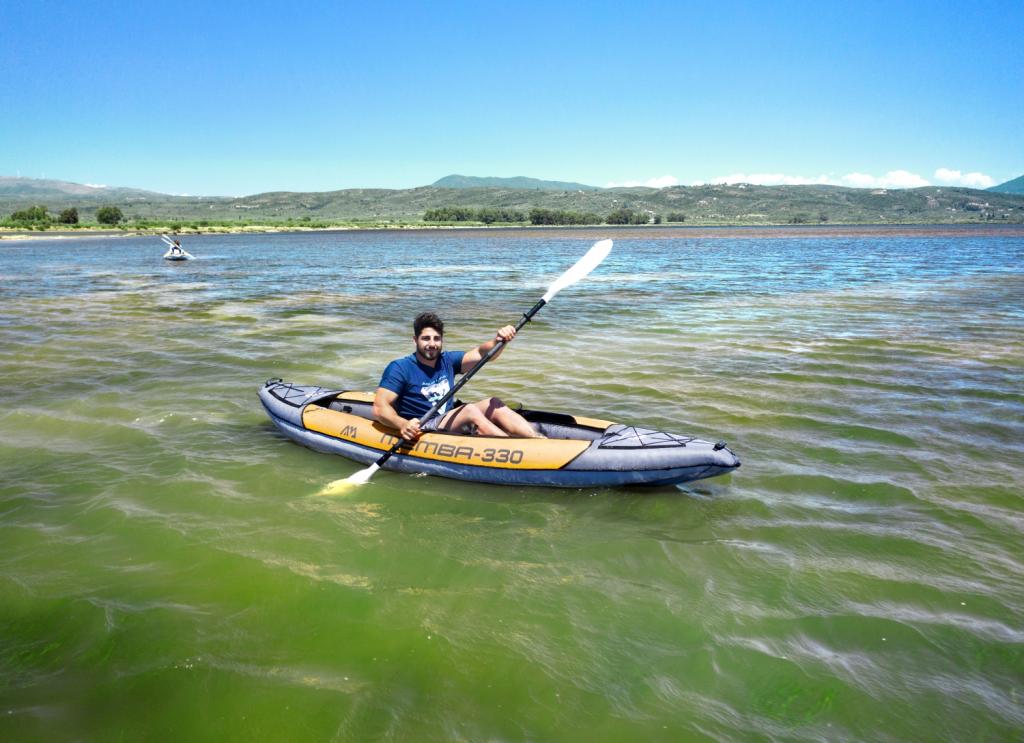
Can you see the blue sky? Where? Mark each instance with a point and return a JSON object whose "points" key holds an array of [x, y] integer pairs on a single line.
{"points": [[223, 98]]}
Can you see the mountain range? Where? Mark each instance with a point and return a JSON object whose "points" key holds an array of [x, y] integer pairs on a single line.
{"points": [[27, 189], [709, 204]]}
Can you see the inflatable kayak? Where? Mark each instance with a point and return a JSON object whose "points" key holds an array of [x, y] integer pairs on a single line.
{"points": [[178, 255], [578, 452]]}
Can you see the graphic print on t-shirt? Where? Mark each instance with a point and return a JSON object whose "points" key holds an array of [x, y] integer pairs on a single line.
{"points": [[435, 390]]}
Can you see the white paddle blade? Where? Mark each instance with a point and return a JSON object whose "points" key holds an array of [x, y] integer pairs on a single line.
{"points": [[341, 487], [582, 267]]}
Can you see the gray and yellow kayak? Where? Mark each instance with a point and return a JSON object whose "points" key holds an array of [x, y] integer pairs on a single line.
{"points": [[578, 452]]}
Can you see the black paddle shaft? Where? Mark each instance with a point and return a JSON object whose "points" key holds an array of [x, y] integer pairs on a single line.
{"points": [[465, 378]]}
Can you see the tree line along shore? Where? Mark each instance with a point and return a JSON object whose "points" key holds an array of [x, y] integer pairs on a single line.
{"points": [[39, 218]]}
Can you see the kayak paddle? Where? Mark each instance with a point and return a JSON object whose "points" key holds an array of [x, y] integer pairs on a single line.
{"points": [[597, 253]]}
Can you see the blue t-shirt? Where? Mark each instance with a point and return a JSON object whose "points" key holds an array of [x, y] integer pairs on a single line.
{"points": [[418, 386]]}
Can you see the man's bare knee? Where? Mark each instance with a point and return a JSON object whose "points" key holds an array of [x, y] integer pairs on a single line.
{"points": [[469, 420]]}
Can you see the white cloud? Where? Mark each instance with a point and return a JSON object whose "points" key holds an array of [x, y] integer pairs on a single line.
{"points": [[956, 178], [663, 181], [95, 185], [859, 180], [892, 179], [769, 179], [903, 179]]}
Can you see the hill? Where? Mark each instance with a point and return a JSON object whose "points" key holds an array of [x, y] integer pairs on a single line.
{"points": [[36, 190], [1014, 186], [533, 184], [740, 204]]}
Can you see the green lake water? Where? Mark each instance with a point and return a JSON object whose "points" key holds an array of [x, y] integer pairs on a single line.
{"points": [[168, 573]]}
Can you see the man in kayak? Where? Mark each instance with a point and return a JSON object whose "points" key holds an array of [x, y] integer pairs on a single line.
{"points": [[412, 384]]}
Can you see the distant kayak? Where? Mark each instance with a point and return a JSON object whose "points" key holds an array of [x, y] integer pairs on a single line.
{"points": [[578, 451], [178, 255]]}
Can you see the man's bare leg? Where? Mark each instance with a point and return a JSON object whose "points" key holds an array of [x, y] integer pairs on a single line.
{"points": [[509, 420], [491, 417], [470, 414]]}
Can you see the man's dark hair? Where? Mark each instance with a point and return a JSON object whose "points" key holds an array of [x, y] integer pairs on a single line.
{"points": [[427, 320]]}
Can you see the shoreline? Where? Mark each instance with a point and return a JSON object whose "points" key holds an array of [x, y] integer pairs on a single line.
{"points": [[661, 231]]}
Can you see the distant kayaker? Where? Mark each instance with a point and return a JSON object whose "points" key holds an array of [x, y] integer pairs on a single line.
{"points": [[176, 248], [412, 384]]}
